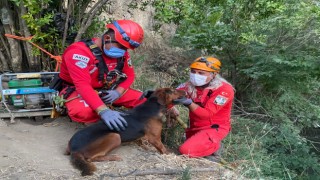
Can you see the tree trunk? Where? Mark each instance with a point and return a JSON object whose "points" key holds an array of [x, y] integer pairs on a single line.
{"points": [[4, 64], [14, 48], [5, 61], [66, 26], [86, 22], [5, 46], [33, 63]]}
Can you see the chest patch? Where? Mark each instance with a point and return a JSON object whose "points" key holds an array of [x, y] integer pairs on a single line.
{"points": [[220, 100], [81, 64], [81, 58]]}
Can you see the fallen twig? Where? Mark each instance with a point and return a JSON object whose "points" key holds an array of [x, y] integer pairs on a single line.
{"points": [[158, 172], [12, 121]]}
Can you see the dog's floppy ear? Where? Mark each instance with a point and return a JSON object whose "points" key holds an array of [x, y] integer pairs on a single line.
{"points": [[146, 94], [163, 96]]}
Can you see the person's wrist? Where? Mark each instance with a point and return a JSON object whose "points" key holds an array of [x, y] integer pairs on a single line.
{"points": [[118, 93], [120, 90], [102, 110], [188, 102]]}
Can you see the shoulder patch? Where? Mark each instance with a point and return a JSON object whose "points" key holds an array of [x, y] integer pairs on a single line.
{"points": [[220, 100], [80, 58], [81, 64], [225, 93]]}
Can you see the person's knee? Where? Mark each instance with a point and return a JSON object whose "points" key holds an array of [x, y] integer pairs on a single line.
{"points": [[83, 115], [193, 150], [184, 149]]}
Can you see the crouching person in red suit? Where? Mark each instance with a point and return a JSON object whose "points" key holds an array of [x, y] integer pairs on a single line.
{"points": [[89, 65], [209, 102]]}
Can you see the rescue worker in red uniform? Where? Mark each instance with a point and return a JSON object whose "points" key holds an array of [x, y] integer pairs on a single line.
{"points": [[209, 102], [80, 69]]}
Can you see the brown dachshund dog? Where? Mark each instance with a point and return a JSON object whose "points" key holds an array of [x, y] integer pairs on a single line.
{"points": [[94, 142]]}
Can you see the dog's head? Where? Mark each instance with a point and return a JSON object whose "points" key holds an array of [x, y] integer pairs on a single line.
{"points": [[164, 96]]}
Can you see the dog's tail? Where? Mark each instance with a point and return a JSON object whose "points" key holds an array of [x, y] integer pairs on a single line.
{"points": [[79, 162]]}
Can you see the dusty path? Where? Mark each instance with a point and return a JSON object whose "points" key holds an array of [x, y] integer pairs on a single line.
{"points": [[34, 150]]}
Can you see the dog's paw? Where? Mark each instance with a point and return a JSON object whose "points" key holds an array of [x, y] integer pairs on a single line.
{"points": [[168, 151], [67, 152], [114, 157]]}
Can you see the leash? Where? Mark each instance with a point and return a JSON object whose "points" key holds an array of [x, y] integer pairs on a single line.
{"points": [[113, 175], [183, 124]]}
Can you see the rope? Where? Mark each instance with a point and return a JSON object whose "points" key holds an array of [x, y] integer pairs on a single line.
{"points": [[59, 100], [28, 39]]}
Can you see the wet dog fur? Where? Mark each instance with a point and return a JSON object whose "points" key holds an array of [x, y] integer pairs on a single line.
{"points": [[94, 142]]}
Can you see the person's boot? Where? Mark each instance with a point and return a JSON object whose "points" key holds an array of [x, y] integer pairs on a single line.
{"points": [[216, 156]]}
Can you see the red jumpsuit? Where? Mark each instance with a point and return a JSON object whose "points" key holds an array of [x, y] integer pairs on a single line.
{"points": [[79, 69], [210, 122]]}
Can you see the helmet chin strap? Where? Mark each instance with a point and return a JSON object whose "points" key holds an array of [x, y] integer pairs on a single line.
{"points": [[204, 86], [102, 41], [207, 84], [214, 75]]}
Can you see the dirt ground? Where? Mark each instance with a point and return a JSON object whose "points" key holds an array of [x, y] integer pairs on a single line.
{"points": [[35, 150]]}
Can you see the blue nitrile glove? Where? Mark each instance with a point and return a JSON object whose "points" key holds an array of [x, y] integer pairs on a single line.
{"points": [[110, 96], [113, 119], [183, 101]]}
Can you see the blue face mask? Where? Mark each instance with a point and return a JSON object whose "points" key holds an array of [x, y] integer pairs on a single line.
{"points": [[114, 52]]}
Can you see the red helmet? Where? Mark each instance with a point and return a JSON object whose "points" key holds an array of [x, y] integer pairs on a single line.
{"points": [[127, 33]]}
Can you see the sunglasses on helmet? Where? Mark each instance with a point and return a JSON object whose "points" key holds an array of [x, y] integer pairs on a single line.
{"points": [[208, 63], [125, 36]]}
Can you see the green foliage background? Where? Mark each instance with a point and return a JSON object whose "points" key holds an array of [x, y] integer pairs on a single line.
{"points": [[270, 53], [40, 16]]}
